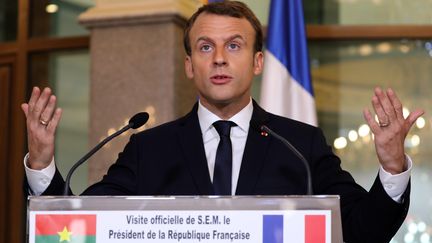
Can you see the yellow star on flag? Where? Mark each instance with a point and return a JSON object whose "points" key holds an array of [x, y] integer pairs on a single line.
{"points": [[64, 235]]}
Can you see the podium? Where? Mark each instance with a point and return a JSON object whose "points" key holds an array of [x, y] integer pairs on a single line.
{"points": [[184, 219]]}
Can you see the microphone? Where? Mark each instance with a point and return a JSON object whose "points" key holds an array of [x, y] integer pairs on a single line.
{"points": [[135, 122], [265, 129]]}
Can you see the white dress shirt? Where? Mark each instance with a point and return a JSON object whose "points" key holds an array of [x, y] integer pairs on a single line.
{"points": [[238, 138], [394, 185]]}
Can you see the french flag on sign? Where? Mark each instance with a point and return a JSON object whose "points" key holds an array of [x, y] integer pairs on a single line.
{"points": [[314, 229]]}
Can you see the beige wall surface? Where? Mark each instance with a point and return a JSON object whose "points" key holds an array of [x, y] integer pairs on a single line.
{"points": [[136, 65]]}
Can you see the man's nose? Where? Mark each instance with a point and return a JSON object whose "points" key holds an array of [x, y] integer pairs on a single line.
{"points": [[219, 58]]}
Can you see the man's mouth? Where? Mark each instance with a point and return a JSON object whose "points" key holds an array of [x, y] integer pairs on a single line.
{"points": [[220, 79]]}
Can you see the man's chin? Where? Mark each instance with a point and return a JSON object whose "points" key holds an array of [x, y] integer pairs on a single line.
{"points": [[224, 101], [218, 101]]}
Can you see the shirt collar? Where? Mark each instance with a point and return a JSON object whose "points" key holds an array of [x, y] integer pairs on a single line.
{"points": [[206, 118]]}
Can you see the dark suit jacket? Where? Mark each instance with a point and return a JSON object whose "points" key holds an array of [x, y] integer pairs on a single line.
{"points": [[170, 160]]}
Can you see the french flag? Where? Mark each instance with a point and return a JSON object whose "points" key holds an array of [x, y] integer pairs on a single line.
{"points": [[286, 88], [314, 229]]}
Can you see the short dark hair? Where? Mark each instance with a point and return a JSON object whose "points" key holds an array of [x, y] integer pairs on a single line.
{"points": [[227, 8]]}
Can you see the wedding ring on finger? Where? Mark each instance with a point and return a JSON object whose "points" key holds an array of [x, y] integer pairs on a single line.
{"points": [[43, 122], [383, 124]]}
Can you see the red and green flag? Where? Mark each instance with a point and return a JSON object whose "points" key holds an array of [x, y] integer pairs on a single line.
{"points": [[65, 228]]}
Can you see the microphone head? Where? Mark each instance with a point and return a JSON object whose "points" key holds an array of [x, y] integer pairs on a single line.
{"points": [[138, 120]]}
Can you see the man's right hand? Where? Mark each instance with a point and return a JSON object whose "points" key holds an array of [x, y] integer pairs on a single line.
{"points": [[42, 118]]}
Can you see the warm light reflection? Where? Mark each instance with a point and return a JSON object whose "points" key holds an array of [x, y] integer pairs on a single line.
{"points": [[340, 143], [365, 50], [384, 47], [405, 112], [51, 8], [415, 140], [363, 130], [352, 135], [111, 131], [404, 48], [420, 123], [151, 110]]}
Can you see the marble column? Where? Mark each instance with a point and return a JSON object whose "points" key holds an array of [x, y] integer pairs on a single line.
{"points": [[137, 64]]}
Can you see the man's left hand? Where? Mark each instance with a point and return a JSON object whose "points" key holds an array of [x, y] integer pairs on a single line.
{"points": [[391, 129]]}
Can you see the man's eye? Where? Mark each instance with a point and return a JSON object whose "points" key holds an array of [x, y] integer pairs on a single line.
{"points": [[205, 48], [233, 46]]}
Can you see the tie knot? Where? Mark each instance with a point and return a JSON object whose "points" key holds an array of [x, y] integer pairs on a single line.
{"points": [[224, 127]]}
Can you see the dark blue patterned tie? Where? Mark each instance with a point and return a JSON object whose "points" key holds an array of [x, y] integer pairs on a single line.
{"points": [[223, 163]]}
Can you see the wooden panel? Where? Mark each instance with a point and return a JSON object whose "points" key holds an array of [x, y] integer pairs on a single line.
{"points": [[8, 48], [49, 44], [46, 44], [338, 32], [16, 207], [5, 82], [12, 140]]}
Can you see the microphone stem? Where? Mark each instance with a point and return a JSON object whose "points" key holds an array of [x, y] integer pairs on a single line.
{"points": [[89, 154], [297, 153]]}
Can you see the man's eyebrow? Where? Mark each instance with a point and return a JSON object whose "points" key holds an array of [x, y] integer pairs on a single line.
{"points": [[205, 38], [230, 38], [237, 36]]}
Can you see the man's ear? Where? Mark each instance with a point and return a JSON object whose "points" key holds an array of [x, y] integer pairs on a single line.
{"points": [[189, 67], [258, 62]]}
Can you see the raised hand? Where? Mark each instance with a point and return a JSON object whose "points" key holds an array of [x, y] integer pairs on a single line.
{"points": [[391, 129], [42, 118]]}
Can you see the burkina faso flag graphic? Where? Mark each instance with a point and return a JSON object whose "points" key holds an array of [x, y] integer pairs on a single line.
{"points": [[64, 228]]}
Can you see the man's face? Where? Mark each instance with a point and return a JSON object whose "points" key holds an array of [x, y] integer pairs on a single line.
{"points": [[223, 62]]}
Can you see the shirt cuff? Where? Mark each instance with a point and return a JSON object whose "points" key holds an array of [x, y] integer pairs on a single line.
{"points": [[395, 185], [39, 180]]}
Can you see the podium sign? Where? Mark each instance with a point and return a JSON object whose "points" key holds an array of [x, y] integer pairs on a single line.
{"points": [[298, 219]]}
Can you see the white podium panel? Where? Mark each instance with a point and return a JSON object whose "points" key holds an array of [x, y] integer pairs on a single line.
{"points": [[298, 219]]}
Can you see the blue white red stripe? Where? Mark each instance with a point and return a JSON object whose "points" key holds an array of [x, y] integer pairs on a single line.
{"points": [[313, 228], [286, 86]]}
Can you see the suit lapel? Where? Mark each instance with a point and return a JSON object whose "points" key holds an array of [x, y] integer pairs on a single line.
{"points": [[253, 155], [191, 142]]}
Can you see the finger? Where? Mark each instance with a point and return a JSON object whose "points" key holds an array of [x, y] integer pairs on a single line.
{"points": [[385, 103], [52, 125], [370, 121], [413, 116], [379, 110], [40, 104], [397, 105], [24, 108], [34, 97], [49, 109]]}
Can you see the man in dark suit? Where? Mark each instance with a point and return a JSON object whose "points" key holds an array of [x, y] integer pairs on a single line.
{"points": [[193, 156]]}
